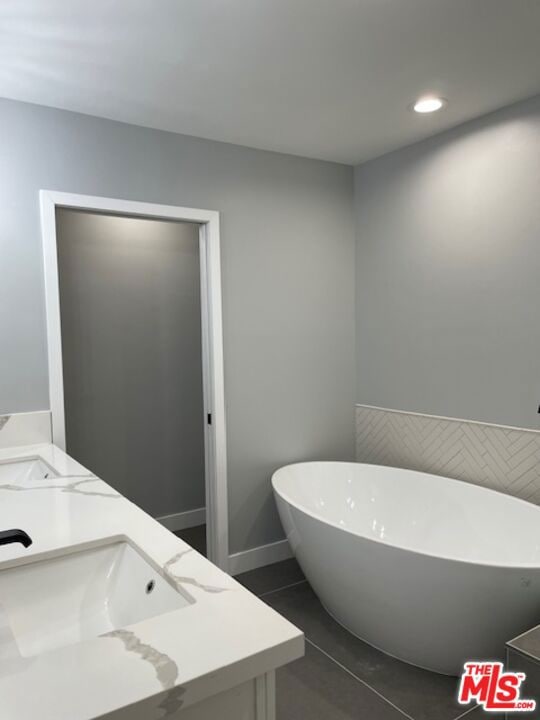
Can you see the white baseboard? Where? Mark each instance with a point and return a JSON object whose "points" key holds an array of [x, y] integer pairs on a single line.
{"points": [[258, 557], [183, 520]]}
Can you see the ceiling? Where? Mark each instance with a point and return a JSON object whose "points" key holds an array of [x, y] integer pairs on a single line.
{"points": [[328, 79]]}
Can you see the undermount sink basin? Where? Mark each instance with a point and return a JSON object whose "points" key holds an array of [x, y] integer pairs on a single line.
{"points": [[25, 472], [64, 600]]}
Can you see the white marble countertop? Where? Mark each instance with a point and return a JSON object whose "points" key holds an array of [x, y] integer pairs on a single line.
{"points": [[226, 636]]}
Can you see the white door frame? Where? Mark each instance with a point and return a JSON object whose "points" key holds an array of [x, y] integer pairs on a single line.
{"points": [[212, 335]]}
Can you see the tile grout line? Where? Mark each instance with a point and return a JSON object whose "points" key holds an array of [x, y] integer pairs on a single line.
{"points": [[466, 712], [345, 669], [362, 682], [284, 587]]}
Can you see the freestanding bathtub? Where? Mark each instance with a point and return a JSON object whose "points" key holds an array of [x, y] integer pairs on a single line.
{"points": [[430, 570]]}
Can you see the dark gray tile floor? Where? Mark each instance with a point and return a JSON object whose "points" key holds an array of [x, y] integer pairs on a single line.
{"points": [[272, 577], [315, 688], [194, 536], [526, 662], [341, 677], [479, 714]]}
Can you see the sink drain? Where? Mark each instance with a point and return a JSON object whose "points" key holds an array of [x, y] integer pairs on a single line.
{"points": [[150, 585]]}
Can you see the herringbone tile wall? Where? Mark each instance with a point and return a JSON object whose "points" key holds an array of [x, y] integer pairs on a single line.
{"points": [[501, 458]]}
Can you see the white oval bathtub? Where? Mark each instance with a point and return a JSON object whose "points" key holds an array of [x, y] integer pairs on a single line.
{"points": [[430, 570]]}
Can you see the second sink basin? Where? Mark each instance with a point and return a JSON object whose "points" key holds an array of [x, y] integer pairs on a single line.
{"points": [[61, 601], [23, 472]]}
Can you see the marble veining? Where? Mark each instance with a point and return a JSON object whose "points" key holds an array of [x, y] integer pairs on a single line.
{"points": [[183, 580], [172, 702], [166, 669], [72, 487], [224, 637]]}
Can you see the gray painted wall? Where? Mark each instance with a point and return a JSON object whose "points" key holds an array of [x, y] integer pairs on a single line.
{"points": [[288, 281], [130, 304], [448, 272]]}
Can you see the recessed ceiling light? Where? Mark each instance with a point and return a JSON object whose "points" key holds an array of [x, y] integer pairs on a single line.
{"points": [[429, 104]]}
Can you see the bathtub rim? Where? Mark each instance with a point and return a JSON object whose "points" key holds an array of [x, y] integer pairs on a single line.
{"points": [[501, 565]]}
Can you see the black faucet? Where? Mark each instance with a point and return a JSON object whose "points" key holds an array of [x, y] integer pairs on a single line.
{"points": [[14, 536]]}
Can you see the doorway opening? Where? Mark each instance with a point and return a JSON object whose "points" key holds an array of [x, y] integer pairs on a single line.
{"points": [[133, 298]]}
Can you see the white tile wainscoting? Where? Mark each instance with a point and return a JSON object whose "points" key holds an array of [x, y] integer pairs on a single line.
{"points": [[494, 456]]}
